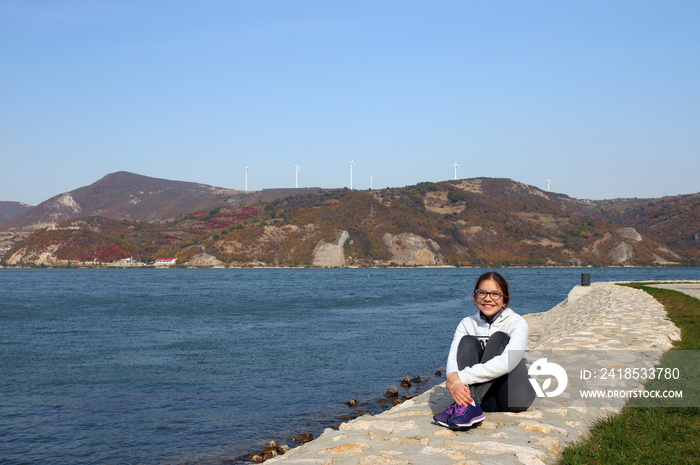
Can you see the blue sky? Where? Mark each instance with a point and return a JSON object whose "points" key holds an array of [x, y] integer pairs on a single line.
{"points": [[600, 97]]}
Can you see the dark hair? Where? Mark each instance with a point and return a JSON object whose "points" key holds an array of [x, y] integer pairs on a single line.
{"points": [[500, 280]]}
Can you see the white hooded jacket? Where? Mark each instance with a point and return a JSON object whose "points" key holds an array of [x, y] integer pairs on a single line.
{"points": [[507, 321]]}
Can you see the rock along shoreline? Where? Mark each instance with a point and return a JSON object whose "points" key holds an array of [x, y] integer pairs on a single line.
{"points": [[596, 325]]}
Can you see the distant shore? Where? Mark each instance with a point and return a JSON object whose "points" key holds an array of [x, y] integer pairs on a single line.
{"points": [[349, 267]]}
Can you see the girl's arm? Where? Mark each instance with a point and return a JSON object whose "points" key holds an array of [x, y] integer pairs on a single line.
{"points": [[497, 366]]}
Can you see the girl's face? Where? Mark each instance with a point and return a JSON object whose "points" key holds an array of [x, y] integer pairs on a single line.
{"points": [[488, 305]]}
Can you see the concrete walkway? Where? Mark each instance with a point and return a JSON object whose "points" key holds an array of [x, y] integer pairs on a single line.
{"points": [[692, 289], [600, 327]]}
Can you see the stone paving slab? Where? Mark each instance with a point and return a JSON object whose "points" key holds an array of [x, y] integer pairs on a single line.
{"points": [[603, 323]]}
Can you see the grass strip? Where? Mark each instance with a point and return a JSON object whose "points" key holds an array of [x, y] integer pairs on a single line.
{"points": [[650, 435]]}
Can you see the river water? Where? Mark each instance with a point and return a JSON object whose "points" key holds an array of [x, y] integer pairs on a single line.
{"points": [[160, 366]]}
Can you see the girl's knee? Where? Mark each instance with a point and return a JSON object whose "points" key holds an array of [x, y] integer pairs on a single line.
{"points": [[469, 342], [499, 337], [469, 352]]}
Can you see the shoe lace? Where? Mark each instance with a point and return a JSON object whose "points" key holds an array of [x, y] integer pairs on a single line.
{"points": [[452, 409]]}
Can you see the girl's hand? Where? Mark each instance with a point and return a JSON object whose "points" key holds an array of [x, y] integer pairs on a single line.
{"points": [[459, 392], [462, 395]]}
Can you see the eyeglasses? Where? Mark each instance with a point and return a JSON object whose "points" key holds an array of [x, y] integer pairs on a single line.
{"points": [[495, 295]]}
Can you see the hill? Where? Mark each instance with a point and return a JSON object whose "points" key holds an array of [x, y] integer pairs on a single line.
{"points": [[124, 195], [674, 221], [10, 210], [471, 222]]}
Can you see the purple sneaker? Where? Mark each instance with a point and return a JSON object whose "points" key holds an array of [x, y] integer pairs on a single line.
{"points": [[443, 419], [470, 417]]}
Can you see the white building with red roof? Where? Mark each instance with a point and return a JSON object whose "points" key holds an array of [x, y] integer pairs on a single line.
{"points": [[166, 261]]}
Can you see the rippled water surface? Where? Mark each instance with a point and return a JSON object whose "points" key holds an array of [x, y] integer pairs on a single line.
{"points": [[202, 366]]}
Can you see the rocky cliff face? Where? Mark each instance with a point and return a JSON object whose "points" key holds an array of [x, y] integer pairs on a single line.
{"points": [[330, 255], [204, 260], [412, 250], [43, 257], [406, 249]]}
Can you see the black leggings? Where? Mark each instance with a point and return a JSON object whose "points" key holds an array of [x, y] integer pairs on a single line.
{"points": [[511, 392]]}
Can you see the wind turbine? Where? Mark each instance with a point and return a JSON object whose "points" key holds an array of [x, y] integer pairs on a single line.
{"points": [[246, 178], [371, 178], [455, 166], [548, 183], [352, 163], [296, 170]]}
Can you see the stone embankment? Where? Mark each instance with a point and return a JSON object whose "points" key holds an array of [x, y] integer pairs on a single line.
{"points": [[603, 325]]}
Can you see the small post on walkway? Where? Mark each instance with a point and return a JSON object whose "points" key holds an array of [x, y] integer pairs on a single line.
{"points": [[585, 279]]}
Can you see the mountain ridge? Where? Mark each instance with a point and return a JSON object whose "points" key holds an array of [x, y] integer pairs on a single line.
{"points": [[468, 222], [120, 195], [125, 195]]}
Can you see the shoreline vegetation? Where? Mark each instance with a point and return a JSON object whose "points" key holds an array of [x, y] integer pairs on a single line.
{"points": [[668, 435]]}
